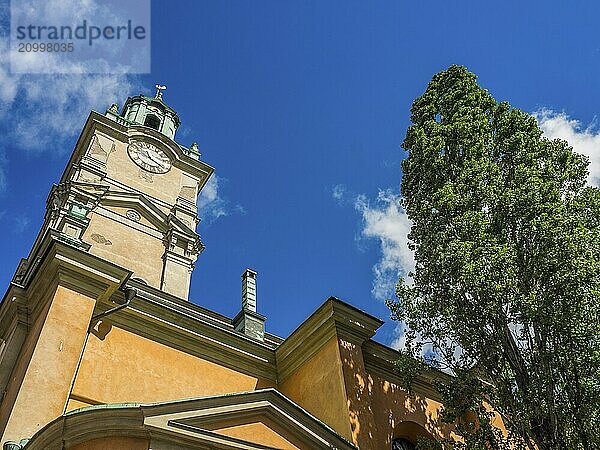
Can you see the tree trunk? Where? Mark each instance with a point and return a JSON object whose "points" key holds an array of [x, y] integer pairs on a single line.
{"points": [[546, 434]]}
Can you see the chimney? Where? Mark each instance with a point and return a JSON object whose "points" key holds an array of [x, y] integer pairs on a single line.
{"points": [[248, 321], [249, 290]]}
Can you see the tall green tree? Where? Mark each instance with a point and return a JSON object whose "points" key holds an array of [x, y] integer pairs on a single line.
{"points": [[506, 289]]}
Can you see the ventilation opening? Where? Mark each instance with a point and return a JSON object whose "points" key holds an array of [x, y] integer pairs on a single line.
{"points": [[152, 121]]}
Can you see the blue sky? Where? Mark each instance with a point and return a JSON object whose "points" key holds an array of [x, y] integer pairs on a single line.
{"points": [[301, 106]]}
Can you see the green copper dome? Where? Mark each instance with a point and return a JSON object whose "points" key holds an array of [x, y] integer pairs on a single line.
{"points": [[151, 112]]}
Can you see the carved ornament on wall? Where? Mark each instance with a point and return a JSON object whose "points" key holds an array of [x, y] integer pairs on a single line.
{"points": [[100, 239]]}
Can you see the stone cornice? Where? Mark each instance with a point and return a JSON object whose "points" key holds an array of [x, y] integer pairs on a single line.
{"points": [[250, 313], [56, 262], [14, 310], [333, 318], [180, 324], [14, 326]]}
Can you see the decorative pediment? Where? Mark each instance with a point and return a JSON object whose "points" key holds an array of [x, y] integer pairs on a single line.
{"points": [[164, 222], [257, 420]]}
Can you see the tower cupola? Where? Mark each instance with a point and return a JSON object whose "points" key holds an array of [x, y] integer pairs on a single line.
{"points": [[152, 112]]}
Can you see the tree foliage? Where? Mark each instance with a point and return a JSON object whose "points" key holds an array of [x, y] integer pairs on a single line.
{"points": [[506, 289]]}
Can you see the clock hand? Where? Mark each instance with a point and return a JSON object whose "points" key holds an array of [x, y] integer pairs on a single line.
{"points": [[154, 158], [146, 159], [146, 156]]}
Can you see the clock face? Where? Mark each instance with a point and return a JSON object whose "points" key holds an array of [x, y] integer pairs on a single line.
{"points": [[149, 157]]}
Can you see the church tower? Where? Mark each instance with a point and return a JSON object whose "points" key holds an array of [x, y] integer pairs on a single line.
{"points": [[128, 194]]}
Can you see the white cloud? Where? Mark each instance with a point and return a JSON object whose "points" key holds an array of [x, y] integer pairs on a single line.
{"points": [[209, 202], [20, 223], [399, 340], [387, 222], [43, 113], [89, 55], [46, 105], [212, 205], [338, 192], [584, 140]]}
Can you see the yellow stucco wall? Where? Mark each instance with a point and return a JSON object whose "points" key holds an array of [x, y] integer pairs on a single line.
{"points": [[258, 433], [119, 366], [392, 407], [119, 166], [22, 363], [126, 247], [380, 410], [113, 443], [44, 390], [358, 394], [318, 386], [123, 212]]}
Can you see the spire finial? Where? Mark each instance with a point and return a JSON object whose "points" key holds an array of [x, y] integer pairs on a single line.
{"points": [[159, 89]]}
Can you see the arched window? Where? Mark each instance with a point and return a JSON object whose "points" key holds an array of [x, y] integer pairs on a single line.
{"points": [[402, 444], [406, 433], [152, 121]]}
